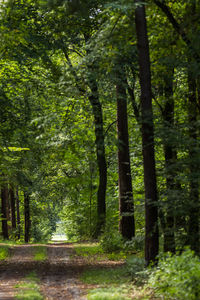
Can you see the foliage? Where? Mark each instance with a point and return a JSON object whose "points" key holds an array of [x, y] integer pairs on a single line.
{"points": [[111, 241], [47, 132], [136, 268], [4, 252], [135, 244], [177, 276]]}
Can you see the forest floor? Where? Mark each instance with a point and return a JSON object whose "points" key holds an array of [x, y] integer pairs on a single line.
{"points": [[58, 275]]}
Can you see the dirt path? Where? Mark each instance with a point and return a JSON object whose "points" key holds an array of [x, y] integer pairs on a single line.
{"points": [[58, 274]]}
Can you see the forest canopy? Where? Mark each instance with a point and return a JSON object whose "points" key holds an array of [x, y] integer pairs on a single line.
{"points": [[100, 120]]}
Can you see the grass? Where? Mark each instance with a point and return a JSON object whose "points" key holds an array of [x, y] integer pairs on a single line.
{"points": [[40, 253], [93, 251], [29, 289], [107, 294], [114, 283], [118, 282], [4, 252], [105, 276]]}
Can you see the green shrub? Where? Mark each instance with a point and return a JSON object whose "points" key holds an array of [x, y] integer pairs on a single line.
{"points": [[4, 252], [135, 267], [177, 277], [135, 244], [111, 241]]}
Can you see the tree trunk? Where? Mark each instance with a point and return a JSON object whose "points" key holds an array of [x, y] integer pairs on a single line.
{"points": [[193, 224], [126, 207], [18, 215], [12, 204], [4, 202], [151, 209], [26, 217], [101, 157], [169, 153]]}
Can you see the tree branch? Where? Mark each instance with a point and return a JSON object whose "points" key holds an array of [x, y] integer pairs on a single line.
{"points": [[162, 5], [82, 90]]}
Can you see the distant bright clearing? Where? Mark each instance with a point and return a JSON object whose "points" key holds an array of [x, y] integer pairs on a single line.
{"points": [[59, 237]]}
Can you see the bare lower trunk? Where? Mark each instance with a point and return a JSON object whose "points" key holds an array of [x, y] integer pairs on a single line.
{"points": [[26, 217], [126, 208], [4, 201], [18, 215], [101, 157], [193, 224], [170, 155], [151, 209], [12, 204]]}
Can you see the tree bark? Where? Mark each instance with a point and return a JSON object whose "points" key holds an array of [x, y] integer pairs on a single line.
{"points": [[26, 217], [126, 207], [12, 204], [18, 215], [151, 209], [193, 224], [101, 156], [169, 153], [4, 202]]}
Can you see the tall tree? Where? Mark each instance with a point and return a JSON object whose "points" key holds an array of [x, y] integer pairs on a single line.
{"points": [[18, 214], [193, 226], [4, 201], [126, 207], [151, 209], [170, 157], [27, 222], [13, 207]]}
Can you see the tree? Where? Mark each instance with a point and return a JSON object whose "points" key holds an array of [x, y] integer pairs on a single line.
{"points": [[13, 207], [27, 223], [151, 209], [4, 207], [126, 208]]}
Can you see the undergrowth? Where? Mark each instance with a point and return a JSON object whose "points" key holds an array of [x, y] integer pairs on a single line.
{"points": [[94, 251], [114, 282], [177, 277], [4, 252]]}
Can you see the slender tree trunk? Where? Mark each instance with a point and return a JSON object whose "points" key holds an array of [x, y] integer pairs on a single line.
{"points": [[126, 207], [4, 201], [167, 215], [12, 204], [151, 205], [100, 143], [168, 116], [26, 217], [193, 224], [18, 215], [101, 157]]}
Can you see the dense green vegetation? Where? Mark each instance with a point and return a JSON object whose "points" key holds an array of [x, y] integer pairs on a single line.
{"points": [[4, 252], [100, 122]]}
